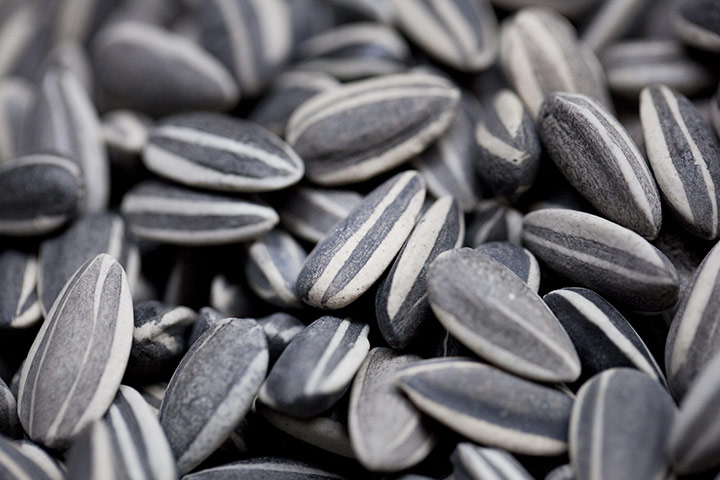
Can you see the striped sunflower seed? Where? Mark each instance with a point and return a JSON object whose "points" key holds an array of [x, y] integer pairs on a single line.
{"points": [[684, 154], [540, 54], [611, 21], [696, 24], [331, 131], [471, 462], [493, 221], [490, 406], [20, 29], [127, 442], [9, 422], [77, 360], [24, 460], [19, 306], [594, 152], [219, 152], [563, 472], [125, 133], [16, 100], [495, 314], [265, 468], [598, 254], [317, 367], [71, 56], [212, 389], [347, 262], [170, 73], [206, 318], [153, 395], [401, 304], [38, 194], [601, 335], [520, 261], [172, 214], [280, 328], [627, 401], [386, 432]]}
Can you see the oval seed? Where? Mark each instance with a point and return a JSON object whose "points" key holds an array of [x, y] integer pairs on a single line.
{"points": [[24, 460], [477, 463], [520, 261], [493, 221], [206, 318], [265, 468], [9, 422], [280, 328], [19, 305]]}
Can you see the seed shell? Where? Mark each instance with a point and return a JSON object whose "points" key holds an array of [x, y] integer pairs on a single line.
{"points": [[519, 260], [9, 422], [206, 318], [563, 472], [125, 133], [264, 468], [611, 21], [493, 221], [696, 24], [471, 462], [280, 329], [19, 306], [24, 460], [16, 99]]}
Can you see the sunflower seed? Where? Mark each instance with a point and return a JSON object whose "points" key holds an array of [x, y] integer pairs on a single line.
{"points": [[77, 360], [611, 21], [696, 24], [347, 262], [265, 468], [627, 401], [494, 221], [684, 154], [594, 152], [401, 303], [601, 335], [408, 111], [571, 9], [715, 111], [603, 256], [206, 318], [9, 422], [71, 56], [170, 73], [127, 443], [541, 54], [38, 194], [153, 395], [471, 462], [24, 460], [125, 132], [490, 406], [520, 261], [212, 389], [316, 368], [172, 214], [494, 313], [386, 432], [219, 152], [19, 306], [16, 99], [563, 472], [280, 329]]}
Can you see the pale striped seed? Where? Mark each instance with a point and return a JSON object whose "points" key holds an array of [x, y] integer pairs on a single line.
{"points": [[401, 304], [493, 221], [70, 55], [38, 194], [611, 21], [212, 389], [598, 254], [347, 262], [696, 24], [563, 472], [219, 152], [280, 328], [519, 260], [19, 305], [684, 154], [77, 360], [490, 406], [495, 314], [471, 462], [16, 99], [172, 214], [206, 318], [265, 468], [9, 422], [387, 433], [125, 133], [316, 368], [24, 460], [595, 153], [357, 131], [619, 427]]}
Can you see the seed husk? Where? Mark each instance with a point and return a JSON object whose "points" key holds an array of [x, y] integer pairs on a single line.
{"points": [[19, 305], [23, 460], [265, 468], [471, 462], [9, 422], [16, 99], [493, 221], [696, 24], [516, 258]]}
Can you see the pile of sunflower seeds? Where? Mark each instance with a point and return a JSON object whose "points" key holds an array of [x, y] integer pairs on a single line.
{"points": [[359, 239]]}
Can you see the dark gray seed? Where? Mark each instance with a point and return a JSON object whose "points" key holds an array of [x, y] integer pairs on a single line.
{"points": [[684, 154], [715, 111], [598, 254], [77, 360], [570, 9], [70, 55], [510, 146], [172, 214], [520, 261], [219, 152], [19, 26], [332, 134], [153, 395], [316, 368], [24, 460], [272, 267], [459, 33], [611, 21], [89, 236], [212, 389], [233, 298], [16, 99], [355, 254], [169, 72], [401, 304], [697, 23], [379, 10], [125, 133], [494, 313], [563, 472], [540, 54], [490, 406], [471, 462], [264, 468], [9, 422], [19, 306], [619, 427], [206, 318], [493, 221], [601, 335], [280, 328], [38, 193], [127, 442], [694, 337], [594, 152], [387, 433]]}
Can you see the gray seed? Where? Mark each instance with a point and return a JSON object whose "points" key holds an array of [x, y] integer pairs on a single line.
{"points": [[494, 313], [519, 260], [231, 299], [386, 432], [24, 460], [125, 132], [471, 462], [172, 214], [264, 468], [219, 152], [212, 389], [9, 422], [19, 306], [206, 318], [70, 55], [16, 99], [407, 112], [153, 395], [316, 368], [77, 360], [563, 472], [490, 406], [19, 26], [348, 261], [494, 221], [696, 24], [401, 304], [619, 427], [603, 256], [611, 21], [280, 329]]}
